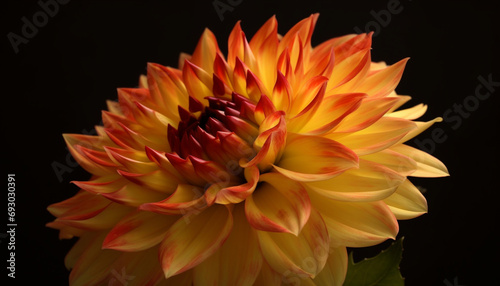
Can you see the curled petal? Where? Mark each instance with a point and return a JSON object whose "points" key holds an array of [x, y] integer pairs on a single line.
{"points": [[305, 254], [323, 160], [183, 247], [186, 199], [185, 168], [235, 194], [279, 205], [273, 139]]}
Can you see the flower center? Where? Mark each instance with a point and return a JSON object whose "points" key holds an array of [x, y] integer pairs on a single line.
{"points": [[220, 133]]}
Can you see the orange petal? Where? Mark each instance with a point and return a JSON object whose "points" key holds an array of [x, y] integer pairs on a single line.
{"points": [[348, 74], [382, 82], [183, 247], [235, 194], [264, 45], [279, 205], [282, 93], [324, 159], [204, 54], [311, 93], [370, 182], [199, 83], [185, 168], [370, 110], [138, 231], [332, 110], [407, 202], [304, 29], [186, 199], [235, 45], [273, 139], [91, 165], [95, 220], [303, 254], [167, 90]]}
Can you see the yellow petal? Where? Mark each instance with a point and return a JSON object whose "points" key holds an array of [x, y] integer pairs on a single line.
{"points": [[324, 158], [427, 165], [93, 265], [279, 204], [381, 135], [356, 224], [303, 254], [268, 276], [167, 90], [138, 231], [199, 83], [421, 127], [398, 162], [407, 202], [183, 247], [370, 182], [410, 113], [237, 262], [335, 269]]}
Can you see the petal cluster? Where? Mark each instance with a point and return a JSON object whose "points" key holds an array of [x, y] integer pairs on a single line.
{"points": [[255, 168]]}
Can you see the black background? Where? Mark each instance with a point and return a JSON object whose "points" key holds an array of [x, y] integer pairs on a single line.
{"points": [[58, 83]]}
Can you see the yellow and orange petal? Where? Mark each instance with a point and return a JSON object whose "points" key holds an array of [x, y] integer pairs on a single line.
{"points": [[256, 168]]}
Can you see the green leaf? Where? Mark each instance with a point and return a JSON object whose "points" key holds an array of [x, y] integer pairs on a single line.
{"points": [[381, 270]]}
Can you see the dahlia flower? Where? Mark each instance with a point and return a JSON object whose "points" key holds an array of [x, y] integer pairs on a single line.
{"points": [[255, 168]]}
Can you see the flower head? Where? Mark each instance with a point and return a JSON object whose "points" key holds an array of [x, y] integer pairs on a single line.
{"points": [[256, 168]]}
